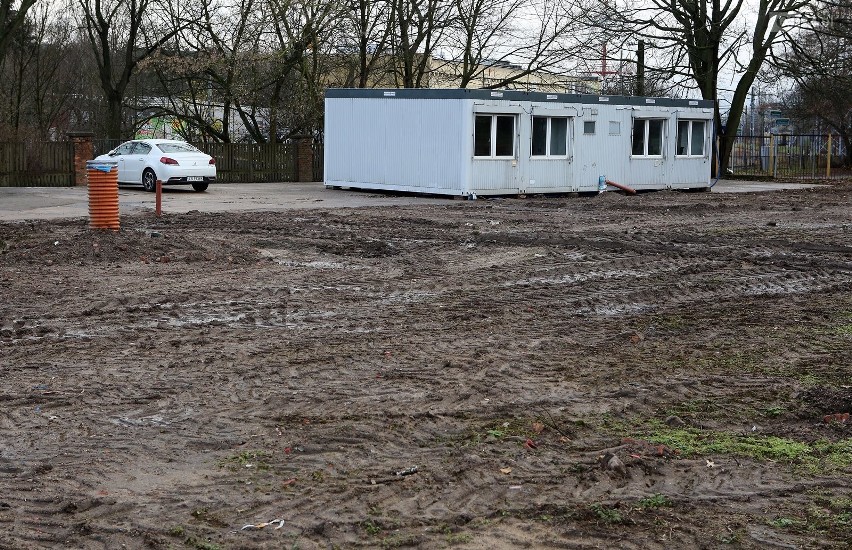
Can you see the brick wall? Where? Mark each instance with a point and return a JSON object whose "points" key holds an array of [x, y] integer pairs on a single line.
{"points": [[83, 151], [305, 159]]}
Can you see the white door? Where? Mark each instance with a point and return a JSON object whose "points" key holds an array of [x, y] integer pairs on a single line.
{"points": [[120, 155], [135, 162]]}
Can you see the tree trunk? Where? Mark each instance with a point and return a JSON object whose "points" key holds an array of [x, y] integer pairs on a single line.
{"points": [[114, 112]]}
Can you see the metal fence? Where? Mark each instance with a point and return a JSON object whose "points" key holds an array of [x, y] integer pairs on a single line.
{"points": [[43, 164], [789, 156], [319, 151]]}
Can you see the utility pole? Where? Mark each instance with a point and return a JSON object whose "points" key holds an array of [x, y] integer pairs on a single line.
{"points": [[640, 68]]}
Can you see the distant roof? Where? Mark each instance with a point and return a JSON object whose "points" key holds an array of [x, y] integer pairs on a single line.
{"points": [[512, 95]]}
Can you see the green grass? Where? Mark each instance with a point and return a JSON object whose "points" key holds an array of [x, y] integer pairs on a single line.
{"points": [[844, 330], [371, 527], [782, 523], [656, 500], [813, 458], [692, 442], [607, 514], [774, 411], [826, 514]]}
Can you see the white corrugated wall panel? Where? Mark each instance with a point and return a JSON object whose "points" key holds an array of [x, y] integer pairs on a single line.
{"points": [[401, 144]]}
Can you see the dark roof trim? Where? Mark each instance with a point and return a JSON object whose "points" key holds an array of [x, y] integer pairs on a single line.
{"points": [[512, 95]]}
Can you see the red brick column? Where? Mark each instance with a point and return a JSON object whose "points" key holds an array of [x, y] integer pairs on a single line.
{"points": [[304, 159], [83, 151]]}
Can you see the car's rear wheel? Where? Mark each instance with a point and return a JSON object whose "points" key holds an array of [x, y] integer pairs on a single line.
{"points": [[202, 186], [149, 180]]}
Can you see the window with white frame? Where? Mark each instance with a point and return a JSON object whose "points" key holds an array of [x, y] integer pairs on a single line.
{"points": [[690, 138], [494, 136], [549, 136], [647, 137]]}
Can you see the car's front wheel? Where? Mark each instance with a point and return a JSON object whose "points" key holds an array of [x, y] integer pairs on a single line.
{"points": [[149, 180], [202, 186]]}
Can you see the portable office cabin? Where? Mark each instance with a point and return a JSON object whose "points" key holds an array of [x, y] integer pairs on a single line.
{"points": [[461, 142]]}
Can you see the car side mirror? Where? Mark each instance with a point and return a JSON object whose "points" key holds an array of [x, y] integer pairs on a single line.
{"points": [[113, 153]]}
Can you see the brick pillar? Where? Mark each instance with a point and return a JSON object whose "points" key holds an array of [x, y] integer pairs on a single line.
{"points": [[304, 159], [83, 151]]}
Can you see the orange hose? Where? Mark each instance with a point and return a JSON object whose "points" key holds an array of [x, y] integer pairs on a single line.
{"points": [[103, 198]]}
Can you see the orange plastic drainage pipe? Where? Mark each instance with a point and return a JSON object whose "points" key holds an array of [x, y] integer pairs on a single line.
{"points": [[103, 194], [627, 189]]}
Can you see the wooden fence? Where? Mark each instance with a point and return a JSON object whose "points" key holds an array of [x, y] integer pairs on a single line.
{"points": [[46, 164], [51, 164], [254, 162]]}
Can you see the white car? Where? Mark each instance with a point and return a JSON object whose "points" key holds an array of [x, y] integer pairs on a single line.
{"points": [[173, 162]]}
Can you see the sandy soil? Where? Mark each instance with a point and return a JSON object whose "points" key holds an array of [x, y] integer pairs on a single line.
{"points": [[663, 371]]}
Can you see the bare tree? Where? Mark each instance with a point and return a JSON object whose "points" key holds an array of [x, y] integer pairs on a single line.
{"points": [[305, 31], [418, 29], [817, 57], [367, 32], [36, 83], [701, 37], [122, 33], [13, 15], [531, 37]]}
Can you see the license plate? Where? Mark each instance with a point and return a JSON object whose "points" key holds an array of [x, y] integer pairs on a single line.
{"points": [[194, 178]]}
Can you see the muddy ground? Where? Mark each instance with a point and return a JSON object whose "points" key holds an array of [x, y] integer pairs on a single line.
{"points": [[663, 371]]}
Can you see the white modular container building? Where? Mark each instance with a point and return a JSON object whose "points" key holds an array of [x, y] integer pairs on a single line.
{"points": [[463, 142]]}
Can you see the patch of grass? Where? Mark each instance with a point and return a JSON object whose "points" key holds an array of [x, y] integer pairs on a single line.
{"points": [[607, 514], [829, 514], [247, 460], [459, 538], [734, 537], [809, 380], [782, 523], [692, 442], [838, 454], [371, 527], [774, 411], [177, 531], [670, 322], [656, 500], [844, 330], [814, 457]]}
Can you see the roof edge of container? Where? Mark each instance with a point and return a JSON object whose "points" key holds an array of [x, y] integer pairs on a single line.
{"points": [[512, 95]]}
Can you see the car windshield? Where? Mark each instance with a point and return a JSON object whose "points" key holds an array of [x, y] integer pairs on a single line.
{"points": [[176, 148]]}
